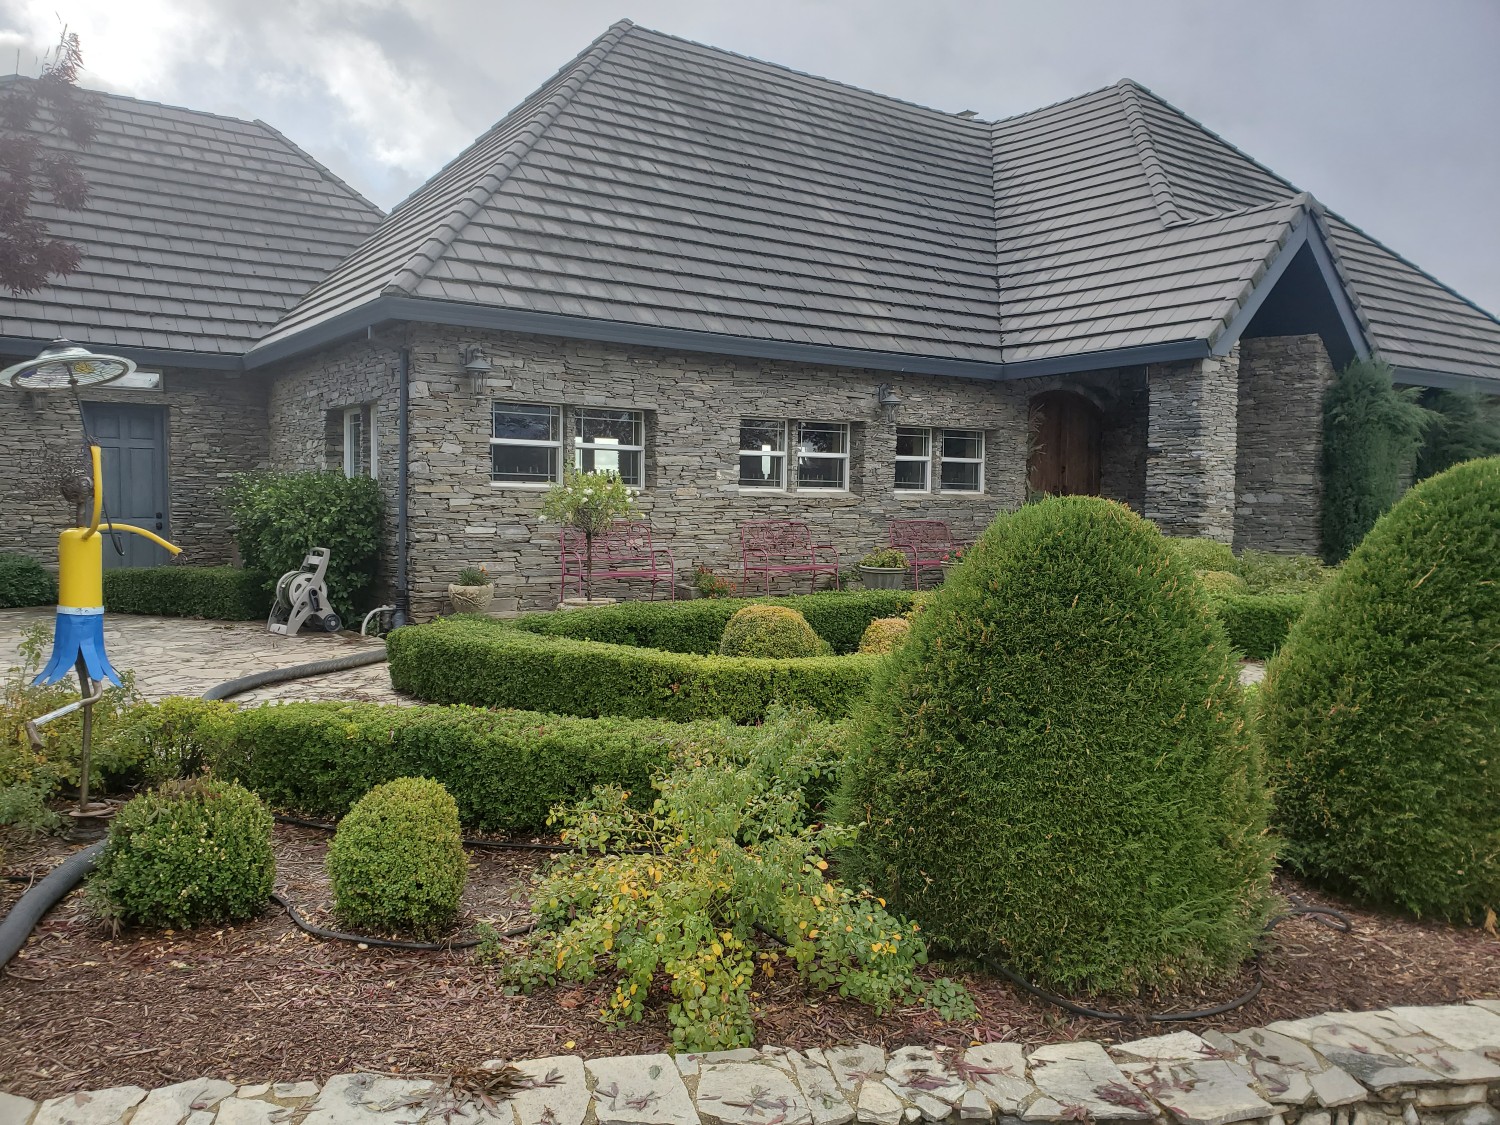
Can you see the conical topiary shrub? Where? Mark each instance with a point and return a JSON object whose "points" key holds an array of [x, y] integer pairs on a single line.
{"points": [[1054, 767], [1382, 710]]}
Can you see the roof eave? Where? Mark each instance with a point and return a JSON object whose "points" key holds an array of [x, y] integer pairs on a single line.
{"points": [[150, 357]]}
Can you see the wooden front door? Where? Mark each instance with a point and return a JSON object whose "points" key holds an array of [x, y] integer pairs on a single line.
{"points": [[1063, 458], [133, 441]]}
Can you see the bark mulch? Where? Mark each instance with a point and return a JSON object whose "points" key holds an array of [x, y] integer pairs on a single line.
{"points": [[261, 1001]]}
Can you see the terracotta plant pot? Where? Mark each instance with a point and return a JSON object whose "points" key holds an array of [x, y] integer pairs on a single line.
{"points": [[882, 577], [471, 599]]}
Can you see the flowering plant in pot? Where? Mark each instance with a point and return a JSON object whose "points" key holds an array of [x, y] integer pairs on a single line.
{"points": [[707, 584], [883, 569], [473, 591], [588, 503], [952, 559]]}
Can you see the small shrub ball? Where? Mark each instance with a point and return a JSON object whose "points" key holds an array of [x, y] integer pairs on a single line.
{"points": [[884, 634], [771, 631]]}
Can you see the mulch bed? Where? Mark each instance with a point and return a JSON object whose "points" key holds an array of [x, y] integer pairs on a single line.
{"points": [[260, 1001]]}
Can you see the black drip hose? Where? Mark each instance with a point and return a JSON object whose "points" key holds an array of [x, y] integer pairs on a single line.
{"points": [[1340, 922], [386, 943], [468, 841]]}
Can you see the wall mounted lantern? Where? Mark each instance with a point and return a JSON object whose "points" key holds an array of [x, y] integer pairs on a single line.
{"points": [[888, 401], [477, 365]]}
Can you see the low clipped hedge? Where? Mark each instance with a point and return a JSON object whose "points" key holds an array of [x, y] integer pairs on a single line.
{"points": [[485, 663], [24, 582], [222, 593], [505, 769], [1257, 624], [698, 626]]}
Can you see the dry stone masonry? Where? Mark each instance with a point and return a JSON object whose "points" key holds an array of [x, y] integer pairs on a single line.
{"points": [[1401, 1066]]}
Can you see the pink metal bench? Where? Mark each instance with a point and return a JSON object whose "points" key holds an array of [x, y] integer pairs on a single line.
{"points": [[624, 551], [927, 544], [773, 547]]}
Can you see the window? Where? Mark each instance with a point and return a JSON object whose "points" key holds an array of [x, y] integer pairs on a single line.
{"points": [[354, 441], [822, 455], [610, 441], [913, 458], [762, 454], [525, 444], [963, 461]]}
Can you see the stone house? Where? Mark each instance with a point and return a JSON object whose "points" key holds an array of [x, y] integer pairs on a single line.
{"points": [[752, 293]]}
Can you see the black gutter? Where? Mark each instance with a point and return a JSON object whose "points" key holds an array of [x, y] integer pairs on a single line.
{"points": [[148, 357], [403, 420]]}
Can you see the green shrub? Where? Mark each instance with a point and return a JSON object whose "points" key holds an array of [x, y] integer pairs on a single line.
{"points": [[698, 626], [485, 663], [506, 770], [710, 585], [885, 634], [1221, 582], [886, 558], [25, 582], [170, 740], [187, 853], [1371, 432], [1202, 554], [1054, 768], [1463, 426], [1266, 573], [397, 860], [221, 593], [279, 517], [1382, 711], [772, 631], [1257, 624], [729, 848]]}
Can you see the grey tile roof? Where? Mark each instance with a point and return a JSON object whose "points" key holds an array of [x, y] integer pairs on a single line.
{"points": [[201, 232]]}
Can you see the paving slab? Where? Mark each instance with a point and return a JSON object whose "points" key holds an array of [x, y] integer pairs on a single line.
{"points": [[1080, 1079], [1465, 1026], [916, 1073], [1364, 1056], [15, 1110], [248, 1111], [90, 1107], [877, 1105], [852, 1066], [368, 1099], [749, 1093], [554, 1091], [827, 1102], [1180, 1045], [998, 1072], [640, 1090], [173, 1105], [1200, 1091]]}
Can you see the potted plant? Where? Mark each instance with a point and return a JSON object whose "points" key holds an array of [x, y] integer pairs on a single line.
{"points": [[883, 569], [588, 503], [707, 584], [473, 591], [951, 560]]}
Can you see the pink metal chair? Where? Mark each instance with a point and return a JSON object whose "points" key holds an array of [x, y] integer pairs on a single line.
{"points": [[623, 551], [773, 547]]}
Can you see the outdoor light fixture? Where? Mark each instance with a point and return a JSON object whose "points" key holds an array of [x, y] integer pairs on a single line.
{"points": [[888, 401], [476, 365], [64, 365]]}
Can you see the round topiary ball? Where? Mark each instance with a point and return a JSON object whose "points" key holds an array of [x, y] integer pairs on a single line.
{"points": [[771, 631], [1222, 582], [186, 853], [1054, 768], [884, 634], [1381, 716], [1203, 554], [397, 859]]}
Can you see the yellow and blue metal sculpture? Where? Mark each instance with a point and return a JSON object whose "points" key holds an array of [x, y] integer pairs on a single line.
{"points": [[78, 634]]}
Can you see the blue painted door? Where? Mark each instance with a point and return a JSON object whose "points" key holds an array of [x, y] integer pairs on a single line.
{"points": [[133, 440]]}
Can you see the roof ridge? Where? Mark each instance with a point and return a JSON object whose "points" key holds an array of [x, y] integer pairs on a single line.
{"points": [[1151, 163], [406, 280], [1025, 113], [326, 172], [8, 78]]}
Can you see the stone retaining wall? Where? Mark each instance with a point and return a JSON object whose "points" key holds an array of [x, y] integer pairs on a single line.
{"points": [[1402, 1066]]}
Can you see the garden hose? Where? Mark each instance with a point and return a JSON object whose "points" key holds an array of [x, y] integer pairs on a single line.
{"points": [[1340, 922], [387, 943], [16, 926], [295, 672]]}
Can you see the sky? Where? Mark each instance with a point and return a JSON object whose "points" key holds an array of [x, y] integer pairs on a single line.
{"points": [[1387, 110]]}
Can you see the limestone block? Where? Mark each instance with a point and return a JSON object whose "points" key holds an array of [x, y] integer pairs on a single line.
{"points": [[15, 1110], [851, 1066], [1080, 1079], [172, 1105], [1468, 1027], [998, 1072], [749, 1093], [877, 1105], [640, 1090], [554, 1091], [90, 1107], [1199, 1092]]}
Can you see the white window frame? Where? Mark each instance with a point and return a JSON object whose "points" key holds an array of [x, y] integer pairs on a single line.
{"points": [[554, 473], [977, 491], [924, 459], [767, 453], [638, 418], [842, 458], [354, 441]]}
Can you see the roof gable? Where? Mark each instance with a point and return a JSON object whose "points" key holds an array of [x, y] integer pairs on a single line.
{"points": [[200, 232]]}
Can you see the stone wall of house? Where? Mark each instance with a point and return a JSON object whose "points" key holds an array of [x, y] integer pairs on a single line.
{"points": [[1190, 447], [1122, 440], [216, 427], [1280, 448], [306, 404]]}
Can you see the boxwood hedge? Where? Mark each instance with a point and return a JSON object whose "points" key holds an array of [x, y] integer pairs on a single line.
{"points": [[1257, 624], [698, 626], [486, 663], [222, 593]]}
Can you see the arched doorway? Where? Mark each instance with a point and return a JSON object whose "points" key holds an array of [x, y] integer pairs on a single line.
{"points": [[1063, 449]]}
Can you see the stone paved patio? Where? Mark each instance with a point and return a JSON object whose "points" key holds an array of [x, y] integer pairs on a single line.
{"points": [[184, 656], [1402, 1066]]}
